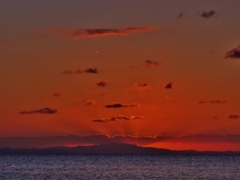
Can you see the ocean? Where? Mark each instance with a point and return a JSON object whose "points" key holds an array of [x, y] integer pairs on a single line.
{"points": [[120, 167]]}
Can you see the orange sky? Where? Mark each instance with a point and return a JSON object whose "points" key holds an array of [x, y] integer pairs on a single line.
{"points": [[139, 68]]}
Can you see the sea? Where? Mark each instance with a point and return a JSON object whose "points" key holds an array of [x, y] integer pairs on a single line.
{"points": [[112, 167]]}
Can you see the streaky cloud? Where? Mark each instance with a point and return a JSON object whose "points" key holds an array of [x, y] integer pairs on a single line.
{"points": [[93, 70], [76, 34], [234, 116], [40, 111], [119, 105], [121, 117], [213, 102]]}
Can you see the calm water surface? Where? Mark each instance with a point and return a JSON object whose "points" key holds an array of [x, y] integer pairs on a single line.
{"points": [[119, 167]]}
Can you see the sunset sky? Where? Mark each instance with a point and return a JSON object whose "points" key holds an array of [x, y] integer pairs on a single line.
{"points": [[162, 73]]}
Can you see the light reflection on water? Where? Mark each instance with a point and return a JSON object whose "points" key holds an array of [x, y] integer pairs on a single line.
{"points": [[120, 167]]}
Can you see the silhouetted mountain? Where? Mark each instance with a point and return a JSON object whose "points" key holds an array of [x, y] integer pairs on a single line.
{"points": [[109, 149]]}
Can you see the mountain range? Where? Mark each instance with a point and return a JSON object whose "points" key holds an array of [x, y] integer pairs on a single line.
{"points": [[107, 149]]}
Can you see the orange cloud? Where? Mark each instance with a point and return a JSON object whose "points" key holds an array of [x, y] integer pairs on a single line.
{"points": [[76, 34], [140, 87], [122, 117], [56, 94]]}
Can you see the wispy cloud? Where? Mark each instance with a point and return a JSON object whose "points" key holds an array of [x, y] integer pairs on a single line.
{"points": [[140, 87], [119, 105], [56, 94], [68, 71], [40, 111], [93, 70], [90, 102], [209, 14], [169, 86], [213, 102], [150, 63], [102, 83], [234, 53], [122, 117], [234, 116], [76, 34], [78, 71], [180, 15]]}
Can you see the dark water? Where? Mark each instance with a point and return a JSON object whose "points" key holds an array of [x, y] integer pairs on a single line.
{"points": [[119, 167]]}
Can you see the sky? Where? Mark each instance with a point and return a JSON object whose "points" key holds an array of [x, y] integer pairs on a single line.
{"points": [[159, 70]]}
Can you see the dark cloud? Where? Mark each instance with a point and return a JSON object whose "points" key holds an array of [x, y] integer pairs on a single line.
{"points": [[98, 120], [140, 87], [233, 116], [234, 53], [119, 105], [76, 34], [122, 117], [41, 111], [67, 71], [213, 101], [150, 63], [56, 95], [79, 71], [169, 86], [91, 70], [102, 83], [209, 14]]}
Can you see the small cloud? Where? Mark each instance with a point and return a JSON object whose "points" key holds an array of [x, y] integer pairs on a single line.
{"points": [[119, 105], [67, 71], [213, 102], [100, 93], [76, 34], [102, 83], [169, 86], [180, 15], [91, 70], [233, 116], [150, 63], [98, 120], [209, 14], [234, 53], [41, 111], [140, 87], [78, 71], [90, 102], [56, 95], [116, 118]]}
